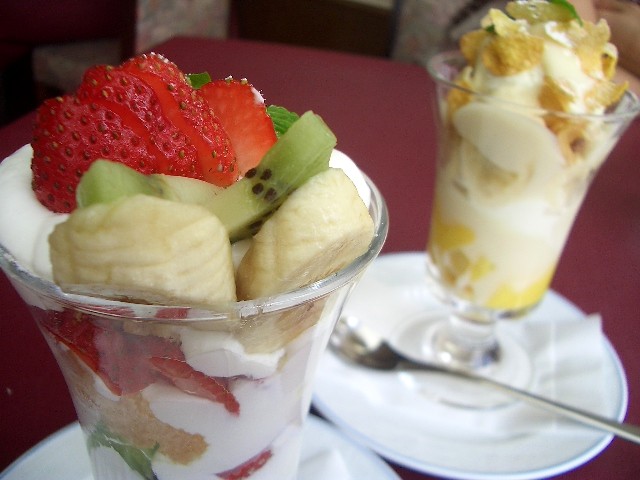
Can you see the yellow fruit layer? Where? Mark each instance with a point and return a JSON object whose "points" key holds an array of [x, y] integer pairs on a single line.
{"points": [[449, 236], [445, 248], [507, 298]]}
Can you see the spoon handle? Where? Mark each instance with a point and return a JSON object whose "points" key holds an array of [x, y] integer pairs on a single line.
{"points": [[622, 430]]}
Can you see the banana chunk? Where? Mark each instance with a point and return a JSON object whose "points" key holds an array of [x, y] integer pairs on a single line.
{"points": [[144, 248], [322, 227]]}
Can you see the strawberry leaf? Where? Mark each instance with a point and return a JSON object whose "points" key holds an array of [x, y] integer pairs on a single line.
{"points": [[282, 118], [197, 80]]}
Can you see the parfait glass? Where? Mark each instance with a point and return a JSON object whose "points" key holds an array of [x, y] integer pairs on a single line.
{"points": [[509, 182], [167, 392]]}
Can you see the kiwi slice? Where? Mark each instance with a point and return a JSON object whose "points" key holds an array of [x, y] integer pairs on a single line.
{"points": [[106, 181], [299, 154]]}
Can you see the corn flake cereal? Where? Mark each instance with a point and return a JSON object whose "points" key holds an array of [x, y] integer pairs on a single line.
{"points": [[571, 135], [471, 43], [553, 97], [605, 93], [513, 54]]}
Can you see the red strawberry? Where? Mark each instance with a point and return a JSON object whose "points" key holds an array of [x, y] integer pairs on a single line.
{"points": [[143, 114], [242, 112], [68, 137], [129, 97], [186, 109], [248, 468], [71, 329], [121, 359], [126, 360], [193, 382]]}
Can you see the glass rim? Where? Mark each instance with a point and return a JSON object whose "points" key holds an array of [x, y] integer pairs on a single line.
{"points": [[223, 311], [631, 105]]}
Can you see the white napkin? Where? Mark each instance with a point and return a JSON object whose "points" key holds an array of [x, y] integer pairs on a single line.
{"points": [[567, 361], [324, 465], [568, 358]]}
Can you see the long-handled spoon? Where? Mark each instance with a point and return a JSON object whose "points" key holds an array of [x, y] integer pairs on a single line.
{"points": [[364, 347]]}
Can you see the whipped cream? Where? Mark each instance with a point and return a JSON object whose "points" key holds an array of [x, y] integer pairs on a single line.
{"points": [[25, 226]]}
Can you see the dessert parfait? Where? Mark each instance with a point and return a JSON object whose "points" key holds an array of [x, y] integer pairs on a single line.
{"points": [[529, 112], [185, 251]]}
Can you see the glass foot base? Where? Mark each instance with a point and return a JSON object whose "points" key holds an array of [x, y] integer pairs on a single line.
{"points": [[508, 363]]}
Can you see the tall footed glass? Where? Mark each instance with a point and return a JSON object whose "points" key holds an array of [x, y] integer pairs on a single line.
{"points": [[510, 180], [166, 392]]}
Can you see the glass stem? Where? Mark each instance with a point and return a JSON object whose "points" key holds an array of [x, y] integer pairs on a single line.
{"points": [[466, 344]]}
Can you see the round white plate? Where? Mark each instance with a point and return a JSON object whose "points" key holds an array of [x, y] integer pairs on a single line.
{"points": [[63, 456], [364, 403]]}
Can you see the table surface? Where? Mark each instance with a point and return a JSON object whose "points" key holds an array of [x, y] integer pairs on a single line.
{"points": [[381, 113]]}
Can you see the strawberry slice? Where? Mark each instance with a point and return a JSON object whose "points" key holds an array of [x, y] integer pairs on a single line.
{"points": [[70, 329], [122, 360], [248, 468], [143, 114], [193, 382], [188, 111], [68, 136], [128, 363], [126, 360], [128, 97], [243, 114]]}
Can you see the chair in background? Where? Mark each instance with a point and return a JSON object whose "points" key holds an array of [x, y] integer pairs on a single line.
{"points": [[45, 48], [146, 23], [356, 26], [27, 24]]}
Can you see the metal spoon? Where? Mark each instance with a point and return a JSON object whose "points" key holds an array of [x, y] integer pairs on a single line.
{"points": [[352, 341]]}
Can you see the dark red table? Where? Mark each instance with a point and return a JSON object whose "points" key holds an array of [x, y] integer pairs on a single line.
{"points": [[381, 113]]}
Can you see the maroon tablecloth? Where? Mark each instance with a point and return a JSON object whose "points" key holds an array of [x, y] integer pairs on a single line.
{"points": [[381, 113]]}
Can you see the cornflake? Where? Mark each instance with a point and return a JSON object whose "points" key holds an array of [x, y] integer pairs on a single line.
{"points": [[513, 54]]}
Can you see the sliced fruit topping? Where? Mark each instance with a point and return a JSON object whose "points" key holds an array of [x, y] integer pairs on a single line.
{"points": [[301, 152], [68, 136], [193, 382], [147, 249], [143, 114], [243, 114], [322, 227], [176, 122], [248, 468], [188, 110]]}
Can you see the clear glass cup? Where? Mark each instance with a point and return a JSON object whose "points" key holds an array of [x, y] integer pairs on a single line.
{"points": [[510, 180], [176, 392]]}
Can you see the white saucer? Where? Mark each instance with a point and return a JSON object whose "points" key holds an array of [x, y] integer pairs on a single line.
{"points": [[361, 402], [63, 456]]}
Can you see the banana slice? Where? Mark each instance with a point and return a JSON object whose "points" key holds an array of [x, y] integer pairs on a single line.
{"points": [[322, 227], [146, 249], [508, 153]]}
